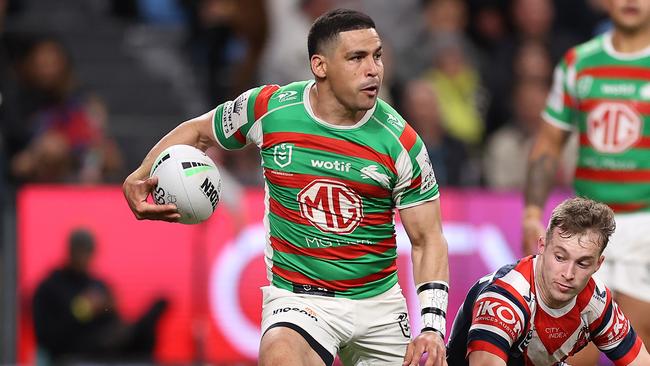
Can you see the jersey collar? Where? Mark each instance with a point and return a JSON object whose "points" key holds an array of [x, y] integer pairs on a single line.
{"points": [[310, 111], [608, 46]]}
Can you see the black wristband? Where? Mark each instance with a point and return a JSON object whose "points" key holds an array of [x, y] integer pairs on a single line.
{"points": [[431, 310], [433, 286]]}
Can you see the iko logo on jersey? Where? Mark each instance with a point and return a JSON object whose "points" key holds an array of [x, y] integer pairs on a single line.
{"points": [[613, 127], [286, 96], [496, 313], [282, 154], [619, 327], [331, 206]]}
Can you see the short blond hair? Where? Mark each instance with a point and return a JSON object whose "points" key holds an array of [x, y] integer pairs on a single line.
{"points": [[580, 215]]}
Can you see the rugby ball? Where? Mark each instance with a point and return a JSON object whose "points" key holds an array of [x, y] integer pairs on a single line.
{"points": [[188, 179]]}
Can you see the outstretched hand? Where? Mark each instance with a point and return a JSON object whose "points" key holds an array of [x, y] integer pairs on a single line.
{"points": [[136, 192], [426, 342]]}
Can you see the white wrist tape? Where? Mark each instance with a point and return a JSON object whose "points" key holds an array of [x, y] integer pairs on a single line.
{"points": [[433, 297]]}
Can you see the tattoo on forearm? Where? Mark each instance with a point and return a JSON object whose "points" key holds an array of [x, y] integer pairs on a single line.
{"points": [[539, 179]]}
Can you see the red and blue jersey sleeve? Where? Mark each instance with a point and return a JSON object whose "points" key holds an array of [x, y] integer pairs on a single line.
{"points": [[614, 336], [498, 320]]}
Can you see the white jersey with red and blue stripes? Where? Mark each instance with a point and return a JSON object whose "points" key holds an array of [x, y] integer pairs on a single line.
{"points": [[502, 315]]}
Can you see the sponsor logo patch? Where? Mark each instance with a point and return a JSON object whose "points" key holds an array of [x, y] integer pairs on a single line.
{"points": [[394, 120], [613, 127], [583, 86], [403, 322], [371, 172], [282, 154], [211, 191], [427, 174], [286, 96], [339, 166], [331, 206], [234, 114], [644, 92], [306, 311], [494, 312], [313, 290], [618, 89]]}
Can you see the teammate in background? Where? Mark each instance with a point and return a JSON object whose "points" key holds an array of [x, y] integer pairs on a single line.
{"points": [[546, 307], [602, 89], [337, 161]]}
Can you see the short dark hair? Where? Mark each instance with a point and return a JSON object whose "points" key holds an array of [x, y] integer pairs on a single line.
{"points": [[579, 215], [327, 27]]}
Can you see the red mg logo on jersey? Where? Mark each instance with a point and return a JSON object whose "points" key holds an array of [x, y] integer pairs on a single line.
{"points": [[613, 127], [331, 206]]}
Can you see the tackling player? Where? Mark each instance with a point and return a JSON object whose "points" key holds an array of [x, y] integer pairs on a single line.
{"points": [[337, 162], [547, 307]]}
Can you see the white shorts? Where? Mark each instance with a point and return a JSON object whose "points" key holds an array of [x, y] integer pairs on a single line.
{"points": [[631, 279], [372, 331], [627, 257]]}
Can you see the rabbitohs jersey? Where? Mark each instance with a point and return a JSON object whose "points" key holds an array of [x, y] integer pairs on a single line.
{"points": [[330, 190], [503, 315], [605, 95]]}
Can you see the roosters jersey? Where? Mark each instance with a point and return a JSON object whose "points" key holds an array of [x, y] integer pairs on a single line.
{"points": [[502, 315], [605, 96], [330, 190]]}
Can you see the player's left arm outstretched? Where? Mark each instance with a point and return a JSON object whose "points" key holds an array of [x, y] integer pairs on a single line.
{"points": [[431, 274]]}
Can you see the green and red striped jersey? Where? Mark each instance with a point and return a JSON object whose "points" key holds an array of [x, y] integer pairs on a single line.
{"points": [[330, 190], [605, 95]]}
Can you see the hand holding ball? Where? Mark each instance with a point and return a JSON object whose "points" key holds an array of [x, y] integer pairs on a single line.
{"points": [[188, 179]]}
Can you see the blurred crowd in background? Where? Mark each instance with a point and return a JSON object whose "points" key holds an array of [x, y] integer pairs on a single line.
{"points": [[88, 86]]}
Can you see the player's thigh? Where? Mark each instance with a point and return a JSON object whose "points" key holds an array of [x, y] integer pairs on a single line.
{"points": [[631, 278], [317, 320], [630, 282], [382, 333], [285, 346]]}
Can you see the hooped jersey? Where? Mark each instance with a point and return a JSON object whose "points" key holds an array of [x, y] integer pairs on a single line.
{"points": [[502, 315], [330, 190], [605, 96]]}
